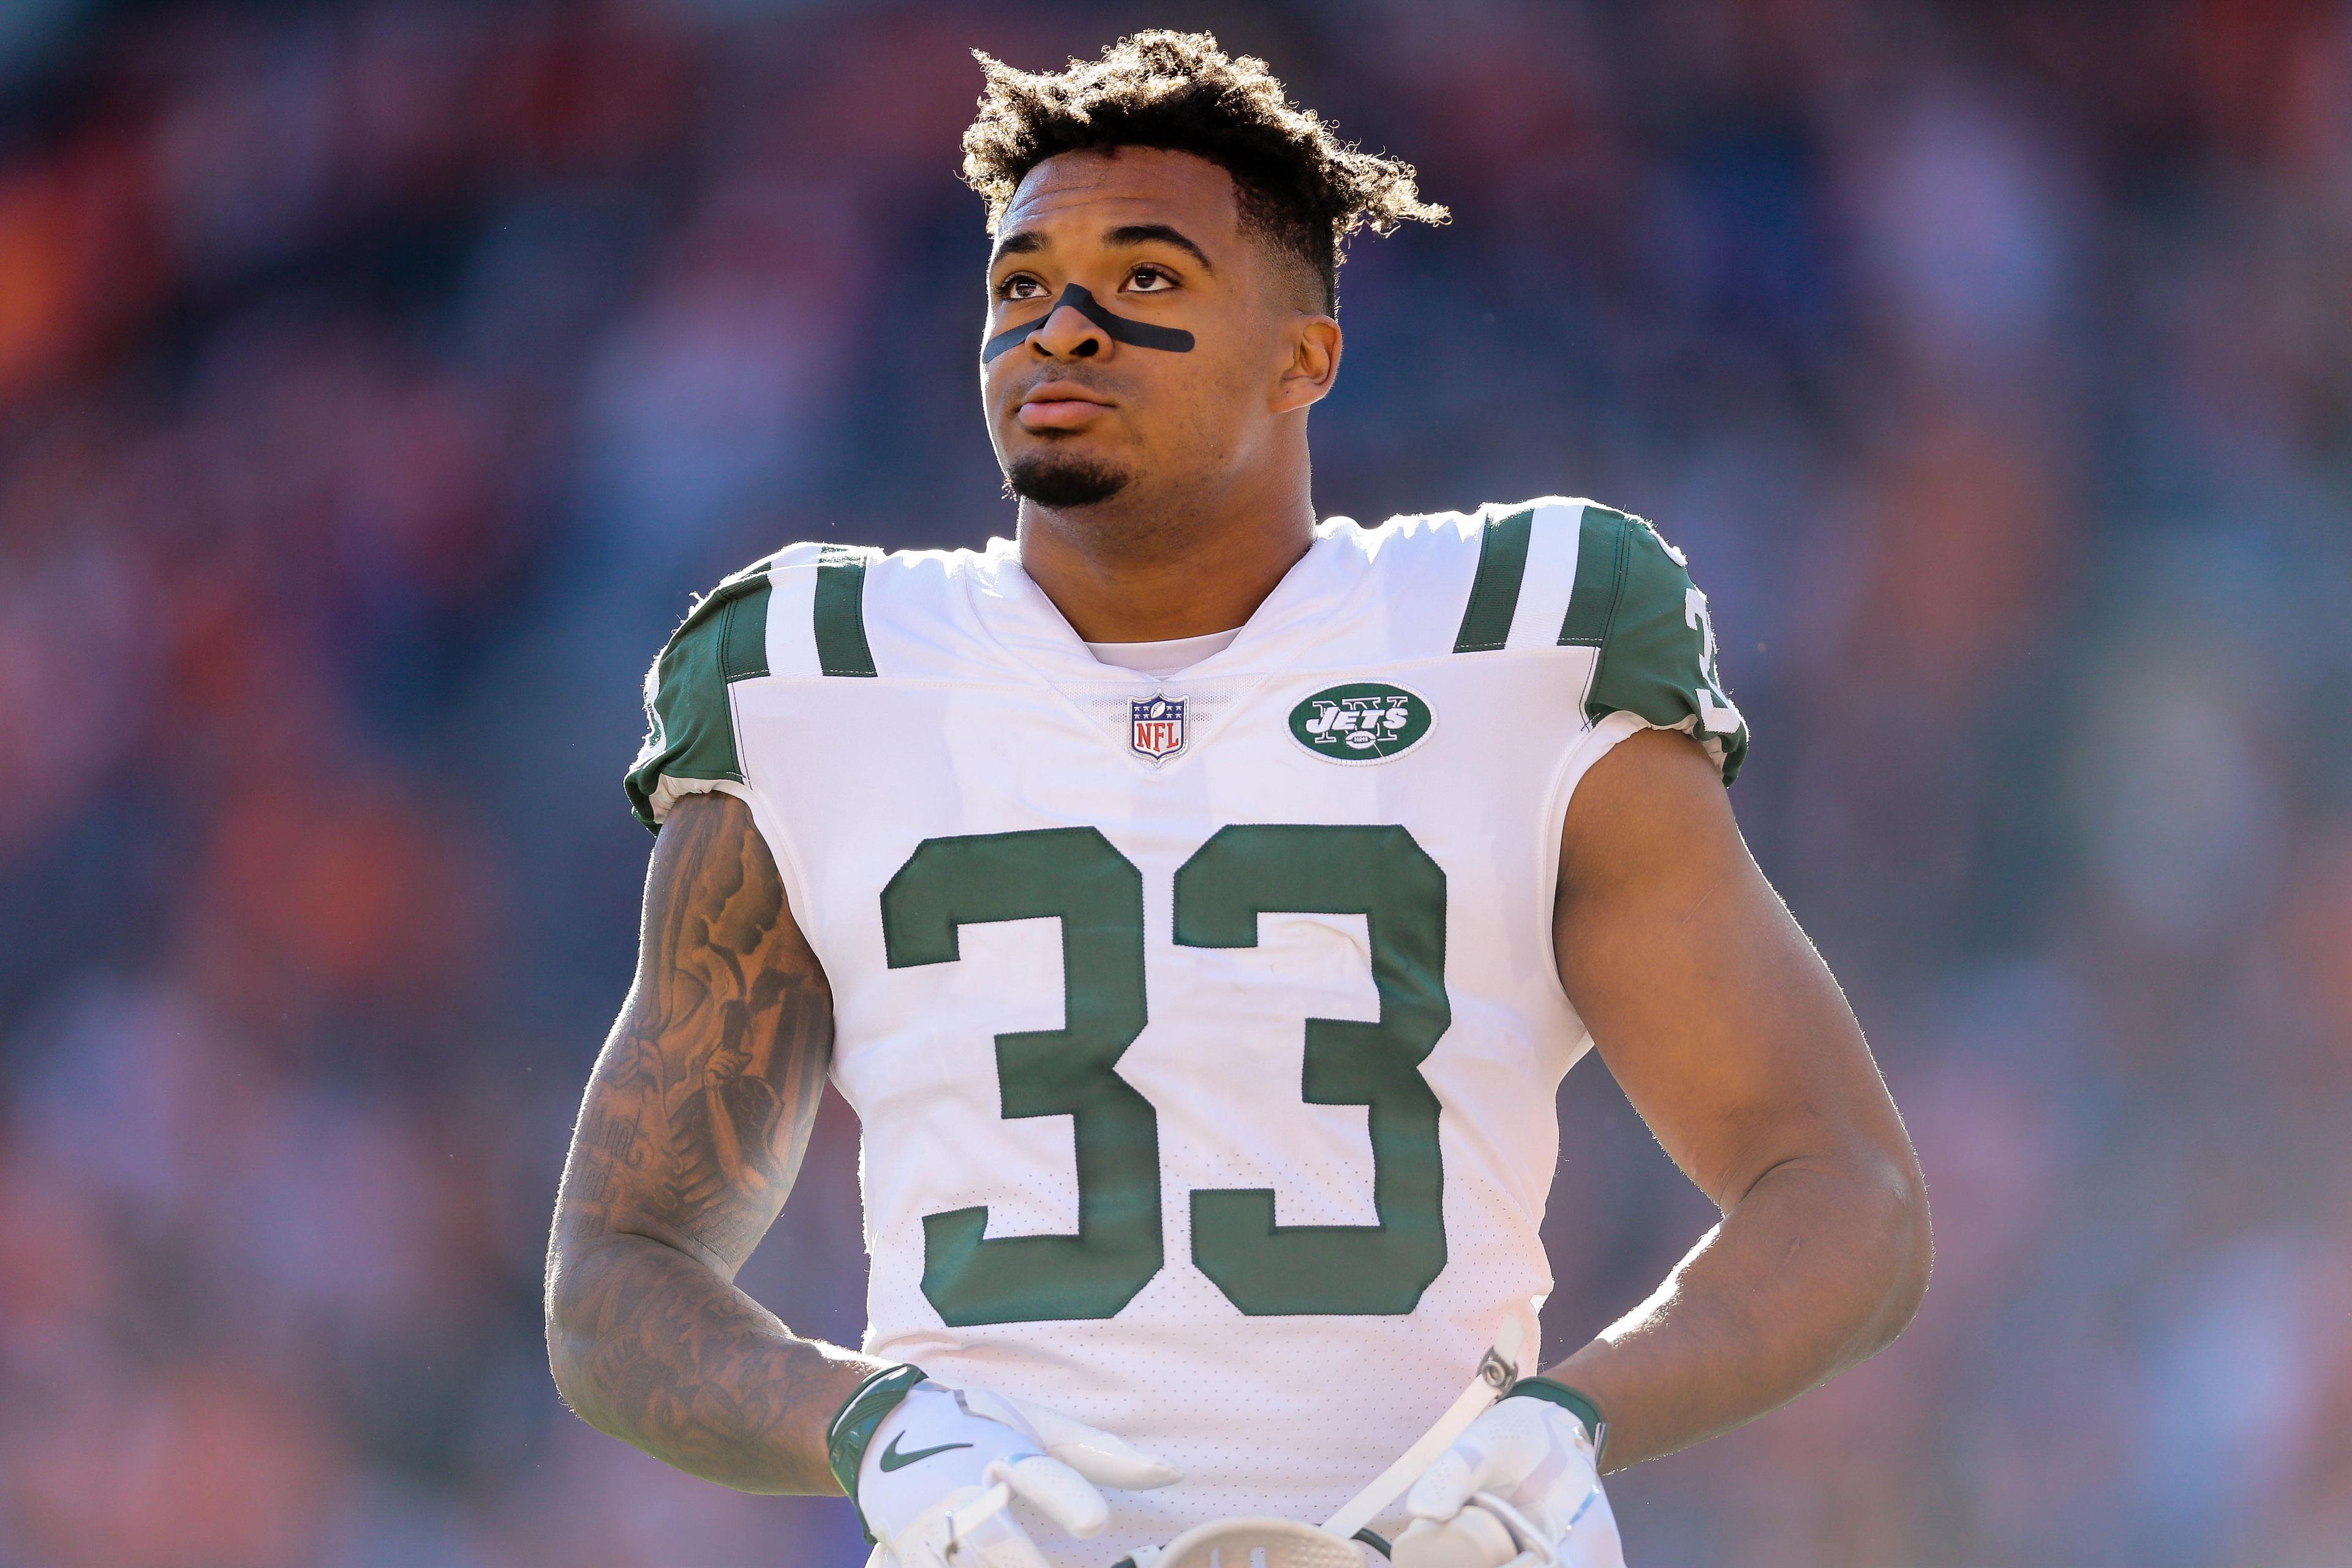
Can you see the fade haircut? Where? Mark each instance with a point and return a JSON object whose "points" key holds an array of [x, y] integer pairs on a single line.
{"points": [[1299, 184]]}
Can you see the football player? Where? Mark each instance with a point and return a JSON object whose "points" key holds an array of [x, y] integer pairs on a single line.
{"points": [[1199, 903]]}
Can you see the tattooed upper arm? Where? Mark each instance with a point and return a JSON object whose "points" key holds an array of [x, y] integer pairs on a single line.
{"points": [[701, 1103]]}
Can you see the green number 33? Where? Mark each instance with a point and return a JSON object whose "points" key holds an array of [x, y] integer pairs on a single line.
{"points": [[1073, 875]]}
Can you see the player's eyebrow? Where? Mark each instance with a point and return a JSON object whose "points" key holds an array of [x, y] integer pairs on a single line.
{"points": [[1020, 242], [1147, 233], [1029, 241]]}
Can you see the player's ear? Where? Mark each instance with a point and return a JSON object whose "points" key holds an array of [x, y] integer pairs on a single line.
{"points": [[1314, 344]]}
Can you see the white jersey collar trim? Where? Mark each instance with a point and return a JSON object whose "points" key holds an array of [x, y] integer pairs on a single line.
{"points": [[1026, 623]]}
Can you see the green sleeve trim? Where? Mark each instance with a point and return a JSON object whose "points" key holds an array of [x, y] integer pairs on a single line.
{"points": [[1576, 1403], [1635, 603], [1495, 590], [690, 729], [852, 1428], [840, 613]]}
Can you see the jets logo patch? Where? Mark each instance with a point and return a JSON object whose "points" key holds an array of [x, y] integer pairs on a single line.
{"points": [[1156, 727], [1366, 721]]}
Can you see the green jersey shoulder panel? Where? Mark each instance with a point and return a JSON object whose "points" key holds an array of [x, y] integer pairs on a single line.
{"points": [[689, 724], [1635, 606]]}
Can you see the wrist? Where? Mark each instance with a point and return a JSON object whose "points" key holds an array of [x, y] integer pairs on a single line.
{"points": [[853, 1427], [1575, 1400]]}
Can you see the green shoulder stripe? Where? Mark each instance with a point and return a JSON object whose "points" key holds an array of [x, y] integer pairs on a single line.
{"points": [[840, 612], [690, 729], [1634, 600], [1600, 576], [1495, 590]]}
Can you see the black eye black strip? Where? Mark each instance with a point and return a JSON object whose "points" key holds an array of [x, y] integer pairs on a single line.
{"points": [[1142, 335]]}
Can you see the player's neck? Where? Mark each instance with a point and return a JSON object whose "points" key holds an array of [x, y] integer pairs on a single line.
{"points": [[1152, 569]]}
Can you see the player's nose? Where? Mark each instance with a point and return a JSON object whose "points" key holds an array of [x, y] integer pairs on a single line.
{"points": [[1068, 333]]}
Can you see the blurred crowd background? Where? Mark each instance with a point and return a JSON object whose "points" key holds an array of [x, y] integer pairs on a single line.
{"points": [[377, 381]]}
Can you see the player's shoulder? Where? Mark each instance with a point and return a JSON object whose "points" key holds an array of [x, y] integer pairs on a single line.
{"points": [[1562, 577], [810, 610], [1508, 575]]}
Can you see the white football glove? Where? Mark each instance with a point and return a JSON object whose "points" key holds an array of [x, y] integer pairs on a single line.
{"points": [[941, 1469], [1521, 1488]]}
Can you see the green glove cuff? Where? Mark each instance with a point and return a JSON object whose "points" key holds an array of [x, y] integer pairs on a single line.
{"points": [[1579, 1405], [852, 1428]]}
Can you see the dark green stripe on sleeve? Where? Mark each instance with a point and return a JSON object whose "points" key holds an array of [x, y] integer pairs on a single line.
{"points": [[1599, 577], [743, 635], [840, 614], [1495, 592]]}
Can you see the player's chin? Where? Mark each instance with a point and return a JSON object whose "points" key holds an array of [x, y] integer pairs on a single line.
{"points": [[1060, 477]]}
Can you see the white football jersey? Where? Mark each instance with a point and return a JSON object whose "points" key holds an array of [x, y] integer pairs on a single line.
{"points": [[1204, 1031]]}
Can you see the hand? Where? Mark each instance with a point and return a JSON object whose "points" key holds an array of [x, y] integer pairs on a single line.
{"points": [[1521, 1488], [942, 1467]]}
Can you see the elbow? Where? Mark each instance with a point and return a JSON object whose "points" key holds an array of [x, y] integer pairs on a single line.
{"points": [[568, 1368], [1910, 1249], [571, 1324]]}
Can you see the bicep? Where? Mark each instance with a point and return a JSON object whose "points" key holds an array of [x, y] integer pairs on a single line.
{"points": [[1704, 999], [701, 1105]]}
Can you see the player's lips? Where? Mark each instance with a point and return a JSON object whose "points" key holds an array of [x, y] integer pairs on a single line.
{"points": [[1059, 405]]}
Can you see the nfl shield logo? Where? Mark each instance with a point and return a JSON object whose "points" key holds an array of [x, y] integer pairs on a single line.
{"points": [[1157, 726]]}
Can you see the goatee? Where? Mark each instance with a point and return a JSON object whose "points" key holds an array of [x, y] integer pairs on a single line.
{"points": [[1059, 482]]}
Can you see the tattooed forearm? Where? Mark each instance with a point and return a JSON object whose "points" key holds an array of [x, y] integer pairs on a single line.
{"points": [[656, 1350], [693, 1128]]}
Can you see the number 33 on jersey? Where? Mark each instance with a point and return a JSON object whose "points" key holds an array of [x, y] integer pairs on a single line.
{"points": [[1204, 1032]]}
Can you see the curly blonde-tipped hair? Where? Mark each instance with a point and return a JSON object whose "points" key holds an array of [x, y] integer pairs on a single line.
{"points": [[1299, 186]]}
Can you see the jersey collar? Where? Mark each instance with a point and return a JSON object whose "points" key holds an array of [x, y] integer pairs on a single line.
{"points": [[1026, 624]]}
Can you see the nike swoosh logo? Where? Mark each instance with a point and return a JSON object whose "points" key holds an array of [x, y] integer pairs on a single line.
{"points": [[892, 1459]]}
